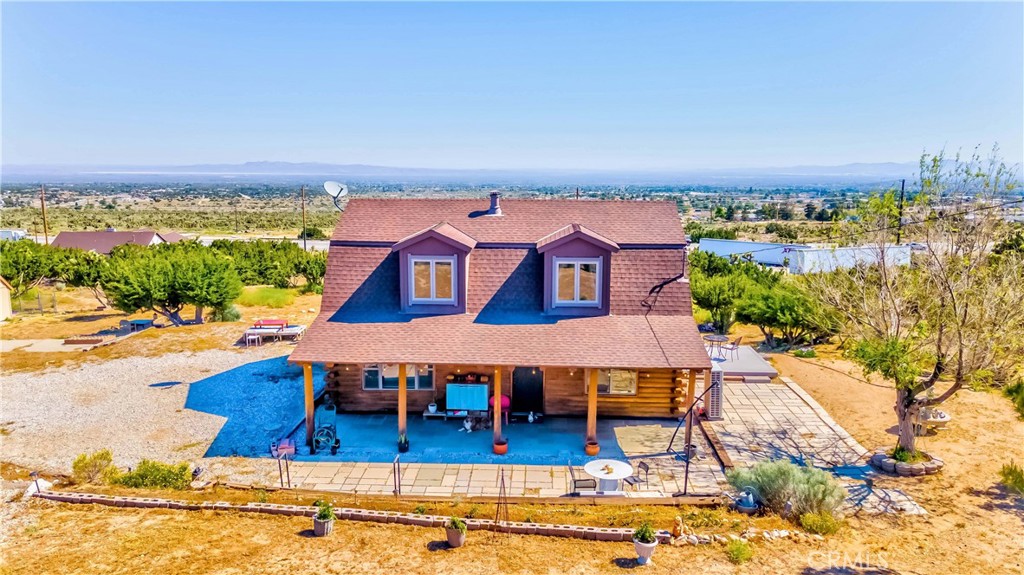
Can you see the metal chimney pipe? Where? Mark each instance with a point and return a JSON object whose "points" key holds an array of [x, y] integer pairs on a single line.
{"points": [[495, 209]]}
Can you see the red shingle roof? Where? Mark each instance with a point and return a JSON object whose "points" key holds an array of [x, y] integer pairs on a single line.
{"points": [[361, 320], [443, 231], [571, 231], [523, 221], [102, 242]]}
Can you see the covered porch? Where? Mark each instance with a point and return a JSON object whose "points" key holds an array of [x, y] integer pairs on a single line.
{"points": [[574, 410]]}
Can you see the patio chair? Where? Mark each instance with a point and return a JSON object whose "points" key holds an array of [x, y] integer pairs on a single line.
{"points": [[635, 480], [580, 484], [733, 347]]}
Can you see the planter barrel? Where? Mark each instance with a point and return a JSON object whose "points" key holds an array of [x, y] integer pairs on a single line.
{"points": [[322, 528], [456, 538]]}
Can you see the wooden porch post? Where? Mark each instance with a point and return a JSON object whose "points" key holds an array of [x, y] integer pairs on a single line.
{"points": [[497, 403], [691, 389], [307, 375], [402, 399], [592, 405]]}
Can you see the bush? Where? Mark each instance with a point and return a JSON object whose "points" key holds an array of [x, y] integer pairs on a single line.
{"points": [[271, 297], [324, 510], [456, 524], [1012, 476], [227, 314], [1016, 394], [738, 551], [820, 523], [645, 533], [313, 233], [806, 352], [777, 483], [154, 474], [93, 468]]}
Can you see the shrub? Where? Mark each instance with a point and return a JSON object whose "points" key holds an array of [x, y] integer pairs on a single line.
{"points": [[456, 523], [900, 454], [420, 509], [272, 297], [777, 483], [1012, 476], [645, 533], [228, 313], [262, 496], [738, 551], [93, 468], [324, 510], [154, 474], [805, 352], [1016, 394], [821, 523]]}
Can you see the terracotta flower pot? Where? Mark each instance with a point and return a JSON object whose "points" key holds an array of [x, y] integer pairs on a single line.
{"points": [[592, 448], [500, 448]]}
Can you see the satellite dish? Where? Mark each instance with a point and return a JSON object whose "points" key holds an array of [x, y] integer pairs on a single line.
{"points": [[335, 189]]}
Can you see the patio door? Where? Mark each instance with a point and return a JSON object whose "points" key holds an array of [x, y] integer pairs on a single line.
{"points": [[527, 390]]}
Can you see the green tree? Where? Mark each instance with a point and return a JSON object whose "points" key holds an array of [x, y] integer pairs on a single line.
{"points": [[809, 210], [313, 269], [719, 295], [86, 270], [25, 264], [788, 309]]}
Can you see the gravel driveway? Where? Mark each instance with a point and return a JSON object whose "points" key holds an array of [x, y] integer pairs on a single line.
{"points": [[176, 407]]}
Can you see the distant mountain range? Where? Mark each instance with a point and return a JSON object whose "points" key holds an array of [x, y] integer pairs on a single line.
{"points": [[289, 172]]}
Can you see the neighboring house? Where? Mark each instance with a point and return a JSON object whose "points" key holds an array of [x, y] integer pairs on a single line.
{"points": [[805, 258], [569, 307], [13, 234], [102, 242], [6, 310]]}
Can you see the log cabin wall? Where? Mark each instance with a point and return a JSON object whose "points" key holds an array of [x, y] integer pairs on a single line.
{"points": [[564, 391]]}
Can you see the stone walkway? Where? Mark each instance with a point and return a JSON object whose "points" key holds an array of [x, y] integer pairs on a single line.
{"points": [[763, 421]]}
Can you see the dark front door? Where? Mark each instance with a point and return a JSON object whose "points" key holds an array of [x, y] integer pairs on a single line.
{"points": [[527, 390]]}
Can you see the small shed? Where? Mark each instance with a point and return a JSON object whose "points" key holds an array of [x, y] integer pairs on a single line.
{"points": [[5, 299]]}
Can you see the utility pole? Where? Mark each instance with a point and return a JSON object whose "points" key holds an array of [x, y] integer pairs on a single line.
{"points": [[899, 226], [42, 203], [303, 192], [577, 192]]}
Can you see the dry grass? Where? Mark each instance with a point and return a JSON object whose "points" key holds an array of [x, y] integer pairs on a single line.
{"points": [[81, 318]]}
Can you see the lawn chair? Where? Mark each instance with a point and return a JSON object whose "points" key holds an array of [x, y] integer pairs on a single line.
{"points": [[635, 480], [580, 484], [733, 347]]}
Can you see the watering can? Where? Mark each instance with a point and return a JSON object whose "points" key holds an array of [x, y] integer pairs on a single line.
{"points": [[746, 501]]}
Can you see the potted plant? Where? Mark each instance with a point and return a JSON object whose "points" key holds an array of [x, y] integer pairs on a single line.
{"points": [[455, 529], [403, 443], [432, 407], [323, 521], [500, 446], [592, 447], [644, 541]]}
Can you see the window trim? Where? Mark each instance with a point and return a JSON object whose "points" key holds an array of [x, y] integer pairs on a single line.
{"points": [[636, 390], [414, 372], [453, 260], [555, 262]]}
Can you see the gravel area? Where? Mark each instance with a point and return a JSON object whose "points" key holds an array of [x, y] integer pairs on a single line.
{"points": [[171, 408]]}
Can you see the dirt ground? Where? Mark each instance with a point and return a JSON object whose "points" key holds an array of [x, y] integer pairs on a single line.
{"points": [[972, 525]]}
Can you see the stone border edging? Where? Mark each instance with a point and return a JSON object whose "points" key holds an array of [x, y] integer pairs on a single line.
{"points": [[882, 461], [349, 514]]}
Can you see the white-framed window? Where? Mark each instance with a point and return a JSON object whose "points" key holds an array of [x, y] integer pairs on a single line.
{"points": [[432, 279], [577, 282], [385, 377], [615, 382]]}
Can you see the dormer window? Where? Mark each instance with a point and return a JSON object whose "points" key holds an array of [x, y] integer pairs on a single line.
{"points": [[432, 279], [577, 282]]}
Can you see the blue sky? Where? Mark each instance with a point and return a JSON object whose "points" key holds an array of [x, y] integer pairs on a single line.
{"points": [[610, 86]]}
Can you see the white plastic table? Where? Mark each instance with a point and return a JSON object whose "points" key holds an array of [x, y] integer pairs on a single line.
{"points": [[608, 473]]}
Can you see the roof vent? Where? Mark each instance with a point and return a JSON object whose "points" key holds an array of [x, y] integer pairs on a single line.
{"points": [[495, 209]]}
